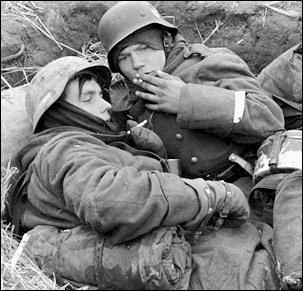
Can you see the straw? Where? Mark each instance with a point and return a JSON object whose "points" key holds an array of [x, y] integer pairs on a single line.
{"points": [[199, 31], [218, 24], [19, 4], [7, 83], [51, 36], [32, 2], [281, 11], [14, 56]]}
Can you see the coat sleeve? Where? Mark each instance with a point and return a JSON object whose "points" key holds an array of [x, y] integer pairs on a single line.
{"points": [[223, 97], [117, 194]]}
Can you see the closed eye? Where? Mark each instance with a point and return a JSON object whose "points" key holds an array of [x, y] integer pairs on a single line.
{"points": [[121, 57], [87, 97], [88, 100], [143, 47]]}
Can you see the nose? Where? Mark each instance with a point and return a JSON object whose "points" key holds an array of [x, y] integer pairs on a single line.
{"points": [[137, 61], [106, 106]]}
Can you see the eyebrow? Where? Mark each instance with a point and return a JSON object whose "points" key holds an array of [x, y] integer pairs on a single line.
{"points": [[138, 46], [89, 92]]}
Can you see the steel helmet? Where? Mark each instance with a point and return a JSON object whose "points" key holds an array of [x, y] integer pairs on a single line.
{"points": [[286, 160], [123, 19], [49, 83]]}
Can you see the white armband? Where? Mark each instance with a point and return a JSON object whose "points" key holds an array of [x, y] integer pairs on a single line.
{"points": [[239, 106]]}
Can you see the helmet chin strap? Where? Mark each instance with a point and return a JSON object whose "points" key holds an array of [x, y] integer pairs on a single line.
{"points": [[168, 42]]}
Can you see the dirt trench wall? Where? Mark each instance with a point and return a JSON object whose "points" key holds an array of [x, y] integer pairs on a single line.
{"points": [[250, 29]]}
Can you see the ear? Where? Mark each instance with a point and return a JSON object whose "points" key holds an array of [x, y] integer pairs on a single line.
{"points": [[168, 41]]}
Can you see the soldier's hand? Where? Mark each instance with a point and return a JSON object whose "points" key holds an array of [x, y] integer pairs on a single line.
{"points": [[146, 139], [165, 91]]}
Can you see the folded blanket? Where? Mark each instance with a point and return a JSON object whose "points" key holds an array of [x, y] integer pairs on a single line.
{"points": [[160, 259]]}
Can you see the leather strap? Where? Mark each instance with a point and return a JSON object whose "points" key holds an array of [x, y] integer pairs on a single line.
{"points": [[98, 262], [275, 151], [211, 208], [225, 208]]}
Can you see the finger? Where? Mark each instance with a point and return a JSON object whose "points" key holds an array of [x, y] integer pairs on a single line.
{"points": [[153, 107], [165, 76], [145, 85], [131, 123], [135, 131], [155, 80], [147, 96]]}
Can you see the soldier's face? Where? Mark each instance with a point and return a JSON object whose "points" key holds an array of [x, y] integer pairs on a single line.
{"points": [[140, 59], [89, 99]]}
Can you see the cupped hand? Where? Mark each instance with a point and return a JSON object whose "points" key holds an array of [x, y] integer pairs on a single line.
{"points": [[164, 91]]}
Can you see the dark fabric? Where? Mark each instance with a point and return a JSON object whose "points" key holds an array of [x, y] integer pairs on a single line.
{"points": [[62, 113], [175, 56], [210, 151], [159, 260], [245, 184], [235, 259], [261, 198], [146, 139], [287, 224]]}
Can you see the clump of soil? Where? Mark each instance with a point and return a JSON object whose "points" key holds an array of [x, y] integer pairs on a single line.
{"points": [[255, 32]]}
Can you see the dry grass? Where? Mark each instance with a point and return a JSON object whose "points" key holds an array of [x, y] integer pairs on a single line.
{"points": [[18, 269], [92, 52], [17, 10], [6, 174]]}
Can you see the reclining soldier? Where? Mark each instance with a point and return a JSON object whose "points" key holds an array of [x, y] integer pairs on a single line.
{"points": [[85, 195]]}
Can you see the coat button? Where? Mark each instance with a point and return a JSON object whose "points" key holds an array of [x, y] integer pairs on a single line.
{"points": [[194, 160], [179, 136]]}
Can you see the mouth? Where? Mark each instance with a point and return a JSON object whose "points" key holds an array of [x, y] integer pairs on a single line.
{"points": [[147, 73], [106, 116]]}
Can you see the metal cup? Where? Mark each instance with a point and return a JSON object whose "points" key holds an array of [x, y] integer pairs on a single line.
{"points": [[174, 166]]}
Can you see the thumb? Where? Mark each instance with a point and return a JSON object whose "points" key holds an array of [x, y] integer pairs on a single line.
{"points": [[130, 123]]}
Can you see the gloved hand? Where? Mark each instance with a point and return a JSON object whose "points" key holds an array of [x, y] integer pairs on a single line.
{"points": [[221, 203], [145, 139]]}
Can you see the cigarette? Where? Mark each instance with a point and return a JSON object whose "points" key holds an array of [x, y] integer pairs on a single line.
{"points": [[139, 125]]}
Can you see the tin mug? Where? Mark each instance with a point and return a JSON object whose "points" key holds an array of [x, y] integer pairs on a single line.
{"points": [[174, 166]]}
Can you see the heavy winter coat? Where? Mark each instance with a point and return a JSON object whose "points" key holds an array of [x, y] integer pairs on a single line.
{"points": [[76, 178], [204, 133]]}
